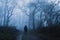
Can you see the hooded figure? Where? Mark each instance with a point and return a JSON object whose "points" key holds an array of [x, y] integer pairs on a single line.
{"points": [[25, 28]]}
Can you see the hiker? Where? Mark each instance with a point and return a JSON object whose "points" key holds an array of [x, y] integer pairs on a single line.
{"points": [[25, 28]]}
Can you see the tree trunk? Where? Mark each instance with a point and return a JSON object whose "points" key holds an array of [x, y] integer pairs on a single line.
{"points": [[33, 22]]}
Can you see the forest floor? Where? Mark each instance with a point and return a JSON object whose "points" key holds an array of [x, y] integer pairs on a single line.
{"points": [[28, 36], [34, 36]]}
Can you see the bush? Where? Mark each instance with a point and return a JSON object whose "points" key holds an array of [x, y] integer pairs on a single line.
{"points": [[8, 33], [51, 31]]}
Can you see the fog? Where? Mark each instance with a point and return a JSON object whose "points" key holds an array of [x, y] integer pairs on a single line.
{"points": [[19, 17]]}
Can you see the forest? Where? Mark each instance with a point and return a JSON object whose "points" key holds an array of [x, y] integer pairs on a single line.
{"points": [[29, 19]]}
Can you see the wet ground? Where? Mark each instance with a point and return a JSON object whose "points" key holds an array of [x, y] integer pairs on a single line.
{"points": [[27, 36]]}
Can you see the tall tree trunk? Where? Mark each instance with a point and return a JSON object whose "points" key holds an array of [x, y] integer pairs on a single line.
{"points": [[33, 22], [5, 13]]}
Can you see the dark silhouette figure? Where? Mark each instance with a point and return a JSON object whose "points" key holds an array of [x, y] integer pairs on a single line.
{"points": [[25, 28]]}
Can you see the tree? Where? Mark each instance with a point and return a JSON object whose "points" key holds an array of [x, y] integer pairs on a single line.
{"points": [[48, 10], [50, 14], [8, 10], [33, 10]]}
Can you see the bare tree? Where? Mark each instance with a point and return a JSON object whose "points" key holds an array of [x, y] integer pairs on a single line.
{"points": [[47, 8], [8, 11], [50, 14], [33, 9]]}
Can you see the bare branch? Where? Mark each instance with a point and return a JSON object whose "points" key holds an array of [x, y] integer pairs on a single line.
{"points": [[23, 10], [57, 3]]}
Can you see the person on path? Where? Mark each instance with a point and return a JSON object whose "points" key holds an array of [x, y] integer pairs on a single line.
{"points": [[25, 28]]}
